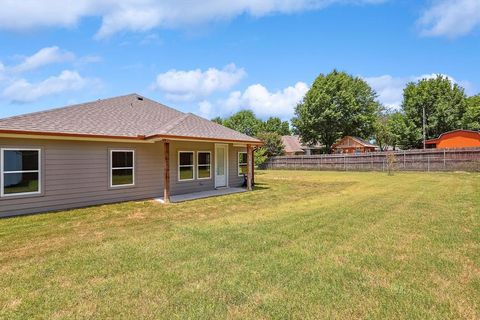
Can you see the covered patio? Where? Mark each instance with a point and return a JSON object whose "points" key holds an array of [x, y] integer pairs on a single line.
{"points": [[168, 197]]}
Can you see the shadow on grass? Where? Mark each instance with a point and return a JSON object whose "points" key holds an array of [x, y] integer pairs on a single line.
{"points": [[261, 186]]}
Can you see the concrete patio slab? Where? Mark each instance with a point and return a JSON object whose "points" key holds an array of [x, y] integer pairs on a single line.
{"points": [[201, 195]]}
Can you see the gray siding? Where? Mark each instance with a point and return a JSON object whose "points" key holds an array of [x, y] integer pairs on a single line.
{"points": [[76, 174], [234, 179]]}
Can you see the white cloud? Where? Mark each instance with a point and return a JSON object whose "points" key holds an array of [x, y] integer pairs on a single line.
{"points": [[43, 57], [23, 91], [451, 18], [390, 89], [142, 15], [264, 103], [2, 71], [205, 109], [189, 85]]}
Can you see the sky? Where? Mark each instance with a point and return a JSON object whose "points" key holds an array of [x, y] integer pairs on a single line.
{"points": [[216, 57]]}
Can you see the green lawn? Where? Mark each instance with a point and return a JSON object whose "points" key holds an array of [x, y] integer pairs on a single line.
{"points": [[302, 245]]}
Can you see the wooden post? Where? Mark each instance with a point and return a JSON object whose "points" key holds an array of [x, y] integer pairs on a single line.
{"points": [[166, 172], [253, 166], [444, 159], [249, 167]]}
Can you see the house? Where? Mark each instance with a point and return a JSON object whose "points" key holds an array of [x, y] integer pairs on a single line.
{"points": [[351, 144], [294, 146], [111, 150], [455, 139]]}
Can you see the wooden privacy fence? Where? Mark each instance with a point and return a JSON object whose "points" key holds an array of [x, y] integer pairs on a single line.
{"points": [[467, 159]]}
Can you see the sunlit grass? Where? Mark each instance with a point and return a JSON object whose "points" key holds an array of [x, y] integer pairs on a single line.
{"points": [[302, 245]]}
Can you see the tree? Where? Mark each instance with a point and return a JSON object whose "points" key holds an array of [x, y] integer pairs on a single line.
{"points": [[382, 134], [275, 124], [272, 143], [471, 117], [245, 122], [336, 105], [402, 131], [260, 156], [444, 103], [218, 120]]}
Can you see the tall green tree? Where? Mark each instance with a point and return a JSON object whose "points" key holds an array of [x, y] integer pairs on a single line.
{"points": [[336, 105], [383, 136], [402, 131], [471, 117], [444, 103], [218, 120], [275, 124], [272, 144], [245, 122]]}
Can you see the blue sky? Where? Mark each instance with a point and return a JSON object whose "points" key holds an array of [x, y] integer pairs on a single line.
{"points": [[216, 57]]}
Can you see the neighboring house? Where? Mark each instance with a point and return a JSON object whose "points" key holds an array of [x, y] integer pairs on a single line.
{"points": [[111, 150], [294, 146], [351, 144], [455, 139]]}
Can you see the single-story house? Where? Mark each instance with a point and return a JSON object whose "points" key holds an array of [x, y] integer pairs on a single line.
{"points": [[294, 146], [455, 139], [351, 144], [111, 150]]}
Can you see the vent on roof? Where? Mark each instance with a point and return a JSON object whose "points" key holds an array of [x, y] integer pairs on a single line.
{"points": [[139, 98]]}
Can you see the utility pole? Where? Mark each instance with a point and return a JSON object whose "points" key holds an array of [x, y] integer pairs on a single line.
{"points": [[423, 121]]}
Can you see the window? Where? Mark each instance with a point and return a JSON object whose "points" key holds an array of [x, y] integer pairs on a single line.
{"points": [[185, 165], [20, 171], [242, 163], [204, 165], [122, 168]]}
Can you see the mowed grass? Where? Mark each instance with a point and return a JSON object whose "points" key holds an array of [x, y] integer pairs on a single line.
{"points": [[303, 245]]}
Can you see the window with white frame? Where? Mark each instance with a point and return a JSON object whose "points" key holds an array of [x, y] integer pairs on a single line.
{"points": [[185, 165], [204, 167], [20, 172], [122, 163], [242, 163]]}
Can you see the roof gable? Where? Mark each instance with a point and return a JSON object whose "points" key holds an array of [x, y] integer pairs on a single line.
{"points": [[350, 141]]}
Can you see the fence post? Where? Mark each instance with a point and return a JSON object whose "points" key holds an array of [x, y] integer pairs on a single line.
{"points": [[444, 160], [345, 162], [404, 160], [428, 163], [371, 160]]}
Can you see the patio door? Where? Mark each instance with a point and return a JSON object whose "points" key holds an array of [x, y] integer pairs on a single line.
{"points": [[221, 165]]}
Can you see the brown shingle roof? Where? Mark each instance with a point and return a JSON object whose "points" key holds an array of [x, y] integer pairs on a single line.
{"points": [[292, 144], [127, 116]]}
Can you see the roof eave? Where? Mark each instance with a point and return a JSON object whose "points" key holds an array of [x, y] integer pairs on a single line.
{"points": [[206, 139], [139, 138]]}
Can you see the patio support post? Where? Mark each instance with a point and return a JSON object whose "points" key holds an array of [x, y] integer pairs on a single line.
{"points": [[253, 166], [249, 167], [166, 172]]}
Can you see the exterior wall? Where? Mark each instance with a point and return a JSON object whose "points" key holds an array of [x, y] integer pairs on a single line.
{"points": [[234, 179], [459, 140], [77, 174], [196, 185], [348, 145]]}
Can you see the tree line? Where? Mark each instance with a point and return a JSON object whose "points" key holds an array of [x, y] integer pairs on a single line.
{"points": [[339, 104]]}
